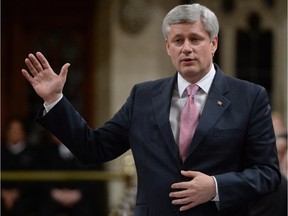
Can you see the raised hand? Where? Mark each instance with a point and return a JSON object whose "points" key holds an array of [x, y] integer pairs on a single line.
{"points": [[46, 83]]}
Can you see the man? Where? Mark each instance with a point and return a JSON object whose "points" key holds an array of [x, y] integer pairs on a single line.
{"points": [[17, 154], [62, 197], [232, 158]]}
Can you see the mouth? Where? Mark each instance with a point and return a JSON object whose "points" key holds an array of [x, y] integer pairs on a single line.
{"points": [[187, 60]]}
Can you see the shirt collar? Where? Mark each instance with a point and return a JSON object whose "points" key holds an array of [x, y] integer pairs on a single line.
{"points": [[204, 83], [16, 148]]}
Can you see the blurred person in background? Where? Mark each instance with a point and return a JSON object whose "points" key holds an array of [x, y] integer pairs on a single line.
{"points": [[17, 197], [275, 203], [63, 197], [281, 141]]}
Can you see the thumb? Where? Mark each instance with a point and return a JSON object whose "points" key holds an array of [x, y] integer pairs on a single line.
{"points": [[64, 70], [190, 173]]}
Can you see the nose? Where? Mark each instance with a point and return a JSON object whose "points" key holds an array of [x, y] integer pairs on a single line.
{"points": [[187, 47]]}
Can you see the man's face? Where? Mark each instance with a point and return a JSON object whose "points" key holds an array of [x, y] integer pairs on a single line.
{"points": [[190, 49], [15, 133]]}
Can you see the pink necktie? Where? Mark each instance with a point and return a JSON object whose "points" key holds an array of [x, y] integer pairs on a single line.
{"points": [[188, 121]]}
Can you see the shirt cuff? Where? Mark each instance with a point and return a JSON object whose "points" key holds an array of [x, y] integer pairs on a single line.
{"points": [[50, 106], [216, 198]]}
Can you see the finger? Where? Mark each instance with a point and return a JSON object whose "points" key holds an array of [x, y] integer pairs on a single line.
{"points": [[178, 194], [37, 65], [179, 185], [43, 60], [64, 71], [31, 67], [28, 77], [188, 206], [190, 174], [182, 201]]}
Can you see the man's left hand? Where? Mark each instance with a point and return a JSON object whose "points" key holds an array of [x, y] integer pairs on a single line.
{"points": [[200, 189]]}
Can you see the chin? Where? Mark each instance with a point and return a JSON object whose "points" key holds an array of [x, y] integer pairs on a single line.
{"points": [[189, 73]]}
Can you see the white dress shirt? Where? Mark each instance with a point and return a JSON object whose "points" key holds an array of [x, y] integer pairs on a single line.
{"points": [[48, 107], [179, 99]]}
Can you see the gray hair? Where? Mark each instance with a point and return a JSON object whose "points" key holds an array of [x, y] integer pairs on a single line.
{"points": [[190, 13]]}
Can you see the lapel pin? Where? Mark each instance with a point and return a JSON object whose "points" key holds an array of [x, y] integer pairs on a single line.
{"points": [[219, 103]]}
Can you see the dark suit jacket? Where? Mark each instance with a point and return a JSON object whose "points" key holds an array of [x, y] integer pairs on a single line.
{"points": [[272, 204], [234, 141]]}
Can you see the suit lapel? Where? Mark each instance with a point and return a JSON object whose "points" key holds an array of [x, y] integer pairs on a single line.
{"points": [[161, 107], [215, 106]]}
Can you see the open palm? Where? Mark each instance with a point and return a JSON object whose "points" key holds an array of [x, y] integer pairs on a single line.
{"points": [[46, 83]]}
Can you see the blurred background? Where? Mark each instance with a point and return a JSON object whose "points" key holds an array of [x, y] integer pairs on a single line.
{"points": [[113, 44]]}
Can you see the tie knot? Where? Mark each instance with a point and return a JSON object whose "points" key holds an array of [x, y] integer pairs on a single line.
{"points": [[192, 89]]}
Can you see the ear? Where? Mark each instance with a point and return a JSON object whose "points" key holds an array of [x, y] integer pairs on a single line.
{"points": [[214, 44], [167, 45]]}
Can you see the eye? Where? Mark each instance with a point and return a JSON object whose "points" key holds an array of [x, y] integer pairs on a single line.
{"points": [[196, 40], [178, 41]]}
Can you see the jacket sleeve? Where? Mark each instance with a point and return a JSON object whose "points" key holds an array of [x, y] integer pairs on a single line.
{"points": [[88, 145], [261, 172]]}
